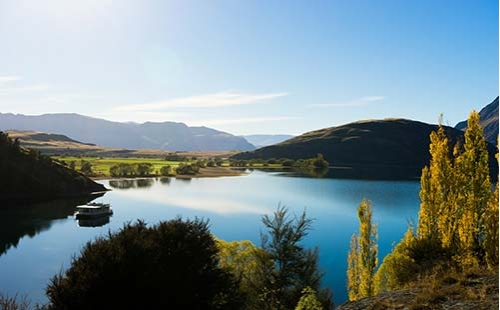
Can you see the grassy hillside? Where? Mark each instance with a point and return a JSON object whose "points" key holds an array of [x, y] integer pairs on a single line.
{"points": [[372, 149], [29, 176]]}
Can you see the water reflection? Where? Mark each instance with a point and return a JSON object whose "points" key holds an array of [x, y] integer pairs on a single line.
{"points": [[18, 221], [165, 181], [131, 183], [94, 222]]}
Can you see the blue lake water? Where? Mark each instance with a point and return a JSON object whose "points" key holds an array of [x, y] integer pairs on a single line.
{"points": [[45, 243]]}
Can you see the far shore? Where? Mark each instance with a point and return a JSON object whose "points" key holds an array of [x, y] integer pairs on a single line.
{"points": [[207, 172]]}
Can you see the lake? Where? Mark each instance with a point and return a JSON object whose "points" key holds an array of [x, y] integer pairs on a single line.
{"points": [[39, 241]]}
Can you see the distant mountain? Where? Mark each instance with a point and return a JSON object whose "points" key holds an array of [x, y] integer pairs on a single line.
{"points": [[265, 140], [373, 149], [163, 136], [488, 117], [29, 176]]}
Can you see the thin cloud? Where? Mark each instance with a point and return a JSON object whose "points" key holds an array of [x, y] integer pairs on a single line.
{"points": [[353, 103], [143, 116], [38, 87], [204, 101], [9, 78], [242, 120]]}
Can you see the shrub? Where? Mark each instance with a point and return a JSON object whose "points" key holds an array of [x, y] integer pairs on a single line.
{"points": [[173, 264]]}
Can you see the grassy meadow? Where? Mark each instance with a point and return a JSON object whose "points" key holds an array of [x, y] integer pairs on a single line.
{"points": [[101, 165]]}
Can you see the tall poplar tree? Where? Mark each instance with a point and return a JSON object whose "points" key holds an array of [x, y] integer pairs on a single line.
{"points": [[475, 191], [436, 191], [362, 258], [491, 227]]}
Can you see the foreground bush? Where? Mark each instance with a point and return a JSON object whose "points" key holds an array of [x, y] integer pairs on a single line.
{"points": [[172, 265]]}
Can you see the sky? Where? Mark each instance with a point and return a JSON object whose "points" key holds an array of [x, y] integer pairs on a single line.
{"points": [[249, 66]]}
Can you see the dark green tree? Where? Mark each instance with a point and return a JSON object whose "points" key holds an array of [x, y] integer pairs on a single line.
{"points": [[172, 265], [143, 169], [165, 170], [293, 267]]}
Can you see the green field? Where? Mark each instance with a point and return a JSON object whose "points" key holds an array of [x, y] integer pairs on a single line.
{"points": [[100, 166]]}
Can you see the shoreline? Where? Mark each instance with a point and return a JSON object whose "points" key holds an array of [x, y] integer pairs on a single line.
{"points": [[207, 172]]}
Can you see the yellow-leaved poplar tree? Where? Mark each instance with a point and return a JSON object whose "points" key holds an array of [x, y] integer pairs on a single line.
{"points": [[474, 192], [362, 258], [436, 192], [491, 228], [353, 277]]}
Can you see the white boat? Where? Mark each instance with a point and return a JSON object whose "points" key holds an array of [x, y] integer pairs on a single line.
{"points": [[93, 210]]}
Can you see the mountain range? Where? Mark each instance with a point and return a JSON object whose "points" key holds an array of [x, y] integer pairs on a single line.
{"points": [[169, 136]]}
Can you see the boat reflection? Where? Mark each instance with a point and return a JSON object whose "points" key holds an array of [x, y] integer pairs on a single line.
{"points": [[93, 222]]}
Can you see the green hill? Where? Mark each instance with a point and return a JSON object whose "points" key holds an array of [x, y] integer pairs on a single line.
{"points": [[372, 149], [28, 176]]}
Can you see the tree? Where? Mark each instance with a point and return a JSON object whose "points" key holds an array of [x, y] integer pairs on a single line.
{"points": [[241, 259], [308, 300], [319, 162], [86, 167], [362, 258], [173, 264], [491, 228], [143, 169], [436, 193], [398, 267], [165, 170], [293, 268], [353, 275], [458, 219], [475, 191]]}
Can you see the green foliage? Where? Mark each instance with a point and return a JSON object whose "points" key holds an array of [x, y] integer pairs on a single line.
{"points": [[238, 163], [131, 170], [172, 265], [187, 169], [362, 258], [175, 157], [86, 167], [242, 259], [144, 169], [293, 267], [308, 300], [165, 170], [412, 257]]}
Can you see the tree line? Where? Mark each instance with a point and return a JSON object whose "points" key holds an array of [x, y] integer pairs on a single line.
{"points": [[457, 228]]}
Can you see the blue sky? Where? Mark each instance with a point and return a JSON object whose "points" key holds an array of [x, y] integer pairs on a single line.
{"points": [[249, 67]]}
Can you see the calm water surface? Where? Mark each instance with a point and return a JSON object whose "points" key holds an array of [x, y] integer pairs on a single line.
{"points": [[38, 242]]}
